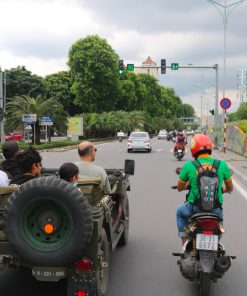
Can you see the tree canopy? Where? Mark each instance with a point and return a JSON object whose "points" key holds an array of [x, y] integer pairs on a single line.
{"points": [[93, 67]]}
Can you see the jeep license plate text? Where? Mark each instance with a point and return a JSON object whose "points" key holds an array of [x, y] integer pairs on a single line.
{"points": [[49, 274]]}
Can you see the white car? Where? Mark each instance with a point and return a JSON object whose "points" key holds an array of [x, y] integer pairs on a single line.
{"points": [[162, 134], [139, 141]]}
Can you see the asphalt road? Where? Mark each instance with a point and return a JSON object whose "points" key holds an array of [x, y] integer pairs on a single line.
{"points": [[145, 266]]}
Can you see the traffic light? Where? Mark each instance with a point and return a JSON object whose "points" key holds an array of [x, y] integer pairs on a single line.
{"points": [[120, 67], [163, 66], [212, 111]]}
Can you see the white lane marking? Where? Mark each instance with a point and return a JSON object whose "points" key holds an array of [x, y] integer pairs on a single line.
{"points": [[240, 189], [159, 150]]}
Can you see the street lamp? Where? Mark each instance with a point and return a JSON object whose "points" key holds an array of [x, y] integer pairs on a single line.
{"points": [[225, 15]]}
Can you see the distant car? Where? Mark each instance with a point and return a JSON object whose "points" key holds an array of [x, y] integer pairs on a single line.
{"points": [[162, 134], [139, 141], [190, 132], [13, 137]]}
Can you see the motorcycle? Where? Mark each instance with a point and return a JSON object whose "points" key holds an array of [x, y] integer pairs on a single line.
{"points": [[203, 257], [120, 139], [179, 152]]}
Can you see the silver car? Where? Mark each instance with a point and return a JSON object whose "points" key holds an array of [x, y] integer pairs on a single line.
{"points": [[139, 141]]}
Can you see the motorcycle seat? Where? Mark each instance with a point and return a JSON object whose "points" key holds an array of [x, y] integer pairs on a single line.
{"points": [[205, 215]]}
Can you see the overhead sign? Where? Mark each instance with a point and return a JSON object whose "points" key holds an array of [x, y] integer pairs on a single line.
{"points": [[225, 103], [130, 67], [46, 120], [29, 118], [174, 66]]}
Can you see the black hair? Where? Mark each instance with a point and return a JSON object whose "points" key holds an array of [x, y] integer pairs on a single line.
{"points": [[26, 158], [10, 148], [68, 170], [206, 151], [86, 151]]}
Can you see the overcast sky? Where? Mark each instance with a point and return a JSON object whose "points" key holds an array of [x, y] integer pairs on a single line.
{"points": [[39, 33]]}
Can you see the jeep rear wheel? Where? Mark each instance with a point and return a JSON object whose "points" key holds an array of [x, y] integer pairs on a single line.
{"points": [[125, 235], [48, 222], [103, 272]]}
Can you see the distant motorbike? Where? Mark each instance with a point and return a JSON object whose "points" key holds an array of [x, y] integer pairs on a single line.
{"points": [[120, 139], [203, 257], [179, 152]]}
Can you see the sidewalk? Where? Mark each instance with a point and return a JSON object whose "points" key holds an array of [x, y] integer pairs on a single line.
{"points": [[236, 162]]}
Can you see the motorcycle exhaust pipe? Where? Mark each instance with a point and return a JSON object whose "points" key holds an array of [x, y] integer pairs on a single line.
{"points": [[222, 264]]}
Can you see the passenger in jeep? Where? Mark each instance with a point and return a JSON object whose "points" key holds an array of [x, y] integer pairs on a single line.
{"points": [[29, 162], [201, 149], [9, 165], [69, 172], [87, 152]]}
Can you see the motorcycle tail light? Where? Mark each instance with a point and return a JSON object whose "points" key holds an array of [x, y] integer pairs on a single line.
{"points": [[84, 264], [81, 293], [208, 225], [207, 232]]}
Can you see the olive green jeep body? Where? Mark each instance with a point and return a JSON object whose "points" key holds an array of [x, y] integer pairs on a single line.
{"points": [[61, 231]]}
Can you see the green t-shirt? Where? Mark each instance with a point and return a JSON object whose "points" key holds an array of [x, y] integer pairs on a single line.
{"points": [[188, 173]]}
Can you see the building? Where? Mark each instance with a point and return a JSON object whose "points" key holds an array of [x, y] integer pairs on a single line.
{"points": [[148, 67]]}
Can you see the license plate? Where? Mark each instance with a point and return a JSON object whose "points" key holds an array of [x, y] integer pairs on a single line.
{"points": [[180, 151], [207, 242], [53, 274]]}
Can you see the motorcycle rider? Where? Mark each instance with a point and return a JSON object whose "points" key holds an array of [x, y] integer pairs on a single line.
{"points": [[201, 149], [180, 141], [120, 135]]}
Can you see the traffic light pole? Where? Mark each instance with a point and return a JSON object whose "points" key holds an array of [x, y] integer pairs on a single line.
{"points": [[216, 107]]}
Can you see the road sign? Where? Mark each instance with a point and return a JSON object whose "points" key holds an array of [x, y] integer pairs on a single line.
{"points": [[130, 67], [225, 103], [46, 120], [174, 66], [29, 118]]}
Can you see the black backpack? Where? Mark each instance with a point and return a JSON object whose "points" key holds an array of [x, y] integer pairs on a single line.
{"points": [[208, 186]]}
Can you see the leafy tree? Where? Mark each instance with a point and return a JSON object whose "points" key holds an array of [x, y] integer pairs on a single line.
{"points": [[58, 86], [93, 64], [40, 106], [242, 111], [20, 81], [188, 110]]}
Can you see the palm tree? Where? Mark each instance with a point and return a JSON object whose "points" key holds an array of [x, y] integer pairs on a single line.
{"points": [[40, 106]]}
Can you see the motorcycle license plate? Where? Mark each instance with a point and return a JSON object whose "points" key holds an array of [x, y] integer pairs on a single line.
{"points": [[207, 242], [180, 150]]}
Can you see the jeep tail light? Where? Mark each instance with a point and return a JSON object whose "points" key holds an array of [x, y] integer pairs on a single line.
{"points": [[130, 141], [84, 264], [81, 293], [146, 141]]}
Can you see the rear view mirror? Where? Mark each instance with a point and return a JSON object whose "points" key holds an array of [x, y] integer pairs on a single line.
{"points": [[129, 167], [178, 170]]}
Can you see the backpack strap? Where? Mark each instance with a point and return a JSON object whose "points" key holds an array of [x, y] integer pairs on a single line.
{"points": [[216, 165], [198, 165]]}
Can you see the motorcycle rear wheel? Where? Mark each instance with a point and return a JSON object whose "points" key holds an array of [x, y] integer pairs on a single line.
{"points": [[205, 282]]}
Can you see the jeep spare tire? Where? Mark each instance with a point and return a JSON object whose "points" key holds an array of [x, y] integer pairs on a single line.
{"points": [[48, 222]]}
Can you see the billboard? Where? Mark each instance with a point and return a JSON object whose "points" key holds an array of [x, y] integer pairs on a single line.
{"points": [[75, 126]]}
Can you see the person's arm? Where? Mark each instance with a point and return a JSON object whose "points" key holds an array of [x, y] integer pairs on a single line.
{"points": [[228, 186], [183, 179]]}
